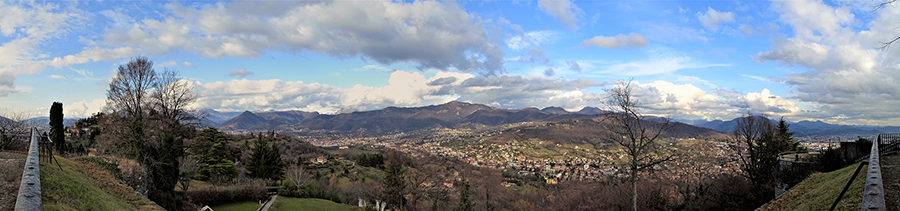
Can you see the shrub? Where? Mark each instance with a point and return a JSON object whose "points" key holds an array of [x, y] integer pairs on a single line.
{"points": [[212, 195]]}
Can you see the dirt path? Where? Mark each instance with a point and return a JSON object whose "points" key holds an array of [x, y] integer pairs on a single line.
{"points": [[890, 168], [12, 164]]}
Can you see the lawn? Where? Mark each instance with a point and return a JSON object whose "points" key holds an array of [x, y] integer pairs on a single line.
{"points": [[239, 206], [300, 204], [82, 185], [819, 191]]}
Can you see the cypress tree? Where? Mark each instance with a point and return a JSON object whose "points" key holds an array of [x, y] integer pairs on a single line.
{"points": [[56, 126]]}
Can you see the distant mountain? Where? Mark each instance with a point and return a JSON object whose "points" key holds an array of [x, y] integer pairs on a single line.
{"points": [[554, 110], [244, 121], [806, 128], [590, 111], [44, 122], [395, 119], [214, 118]]}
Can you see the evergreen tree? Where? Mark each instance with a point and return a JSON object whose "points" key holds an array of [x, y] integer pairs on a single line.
{"points": [[265, 162], [394, 186], [211, 146], [465, 204], [785, 138], [57, 128]]}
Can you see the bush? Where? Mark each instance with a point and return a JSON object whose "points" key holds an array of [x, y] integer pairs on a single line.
{"points": [[832, 159], [310, 189], [212, 195]]}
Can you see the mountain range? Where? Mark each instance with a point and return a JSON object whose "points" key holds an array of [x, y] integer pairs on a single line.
{"points": [[805, 128], [397, 119]]}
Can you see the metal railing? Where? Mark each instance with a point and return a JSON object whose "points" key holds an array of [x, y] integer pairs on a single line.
{"points": [[29, 197]]}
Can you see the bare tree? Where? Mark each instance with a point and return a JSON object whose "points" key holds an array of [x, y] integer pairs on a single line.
{"points": [[130, 87], [296, 176], [639, 137], [173, 95], [758, 152], [13, 125], [187, 169]]}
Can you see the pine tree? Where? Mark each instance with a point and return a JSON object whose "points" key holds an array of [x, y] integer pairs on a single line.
{"points": [[785, 138], [465, 204], [211, 146], [265, 162], [394, 186]]}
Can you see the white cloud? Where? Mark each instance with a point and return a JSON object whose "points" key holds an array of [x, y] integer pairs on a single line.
{"points": [[655, 65], [56, 77], [28, 25], [84, 108], [187, 64], [713, 18], [430, 34], [754, 77], [632, 40], [403, 89], [684, 101], [564, 11], [166, 64], [242, 73], [843, 74], [530, 39], [534, 56]]}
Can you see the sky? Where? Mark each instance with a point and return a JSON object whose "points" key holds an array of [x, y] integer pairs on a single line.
{"points": [[798, 59]]}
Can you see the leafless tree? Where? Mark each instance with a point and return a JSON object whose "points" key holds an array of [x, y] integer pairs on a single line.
{"points": [[130, 87], [758, 153], [639, 137], [173, 95], [883, 4], [296, 176], [187, 169], [13, 126]]}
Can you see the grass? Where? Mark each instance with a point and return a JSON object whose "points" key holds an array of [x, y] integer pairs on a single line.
{"points": [[82, 185], [819, 190], [307, 204], [238, 206]]}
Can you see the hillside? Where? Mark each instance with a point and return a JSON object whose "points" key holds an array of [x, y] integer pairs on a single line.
{"points": [[587, 131], [819, 191], [82, 185], [397, 119]]}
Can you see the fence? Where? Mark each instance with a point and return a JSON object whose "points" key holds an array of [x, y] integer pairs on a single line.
{"points": [[29, 197]]}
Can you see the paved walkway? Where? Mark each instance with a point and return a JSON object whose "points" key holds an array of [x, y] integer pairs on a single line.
{"points": [[268, 203], [890, 168]]}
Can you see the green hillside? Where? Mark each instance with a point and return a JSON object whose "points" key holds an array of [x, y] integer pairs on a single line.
{"points": [[82, 185], [819, 191]]}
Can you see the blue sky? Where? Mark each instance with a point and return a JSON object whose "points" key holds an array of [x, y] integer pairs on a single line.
{"points": [[801, 59]]}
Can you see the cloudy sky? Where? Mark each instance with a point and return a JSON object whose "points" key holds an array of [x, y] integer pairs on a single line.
{"points": [[801, 59]]}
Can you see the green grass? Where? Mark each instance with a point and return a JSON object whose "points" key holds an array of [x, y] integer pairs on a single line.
{"points": [[302, 204], [819, 190], [239, 206], [82, 185]]}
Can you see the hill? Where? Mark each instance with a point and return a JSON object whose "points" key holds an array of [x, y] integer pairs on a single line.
{"points": [[819, 191], [587, 131], [82, 185], [243, 121]]}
